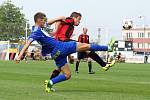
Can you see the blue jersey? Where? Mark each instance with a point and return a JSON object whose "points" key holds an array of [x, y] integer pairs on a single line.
{"points": [[42, 37], [59, 50]]}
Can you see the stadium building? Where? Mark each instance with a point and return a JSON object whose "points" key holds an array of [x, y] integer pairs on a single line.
{"points": [[140, 37], [135, 43]]}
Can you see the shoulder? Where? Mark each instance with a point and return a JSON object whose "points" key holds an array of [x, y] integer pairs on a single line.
{"points": [[69, 20], [36, 32], [81, 35], [36, 29]]}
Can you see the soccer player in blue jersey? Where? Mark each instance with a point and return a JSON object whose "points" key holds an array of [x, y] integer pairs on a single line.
{"points": [[59, 50]]}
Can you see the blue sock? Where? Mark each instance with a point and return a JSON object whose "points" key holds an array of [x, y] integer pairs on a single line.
{"points": [[95, 47], [58, 79]]}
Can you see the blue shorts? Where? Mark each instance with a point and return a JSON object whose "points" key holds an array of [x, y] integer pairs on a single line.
{"points": [[81, 55], [61, 51]]}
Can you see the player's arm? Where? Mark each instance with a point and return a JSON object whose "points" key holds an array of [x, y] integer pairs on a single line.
{"points": [[57, 27], [51, 21], [26, 46]]}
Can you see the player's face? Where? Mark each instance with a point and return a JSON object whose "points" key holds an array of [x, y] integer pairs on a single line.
{"points": [[85, 30], [42, 21], [77, 20]]}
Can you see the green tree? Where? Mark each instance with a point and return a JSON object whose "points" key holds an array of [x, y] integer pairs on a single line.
{"points": [[12, 22]]}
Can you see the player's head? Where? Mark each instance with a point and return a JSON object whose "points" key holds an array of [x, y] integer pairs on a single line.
{"points": [[77, 17], [85, 30], [40, 19]]}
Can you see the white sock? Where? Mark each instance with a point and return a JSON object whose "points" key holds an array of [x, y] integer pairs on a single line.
{"points": [[50, 81]]}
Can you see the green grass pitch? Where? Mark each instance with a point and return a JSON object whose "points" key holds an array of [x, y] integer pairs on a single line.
{"points": [[122, 82]]}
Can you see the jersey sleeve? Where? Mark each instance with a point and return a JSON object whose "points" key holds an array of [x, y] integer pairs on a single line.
{"points": [[33, 36]]}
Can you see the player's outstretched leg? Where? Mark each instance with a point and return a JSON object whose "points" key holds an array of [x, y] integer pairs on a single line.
{"points": [[94, 47], [81, 47], [105, 66], [96, 58]]}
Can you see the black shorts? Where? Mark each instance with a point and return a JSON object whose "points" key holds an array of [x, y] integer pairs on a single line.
{"points": [[81, 55]]}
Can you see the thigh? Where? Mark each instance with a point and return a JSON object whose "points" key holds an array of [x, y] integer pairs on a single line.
{"points": [[60, 61], [68, 48], [81, 47], [64, 49]]}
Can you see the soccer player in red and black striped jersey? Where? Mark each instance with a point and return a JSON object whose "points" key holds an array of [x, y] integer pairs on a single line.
{"points": [[84, 38], [64, 30]]}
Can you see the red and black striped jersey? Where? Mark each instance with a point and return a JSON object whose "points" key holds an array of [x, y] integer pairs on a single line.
{"points": [[83, 38], [65, 30]]}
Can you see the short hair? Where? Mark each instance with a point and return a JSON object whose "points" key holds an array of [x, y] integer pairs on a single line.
{"points": [[39, 15], [75, 14], [84, 28]]}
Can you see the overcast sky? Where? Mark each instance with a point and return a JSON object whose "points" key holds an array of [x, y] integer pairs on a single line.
{"points": [[104, 14]]}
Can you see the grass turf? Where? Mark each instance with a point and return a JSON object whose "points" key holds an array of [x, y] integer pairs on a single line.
{"points": [[122, 82]]}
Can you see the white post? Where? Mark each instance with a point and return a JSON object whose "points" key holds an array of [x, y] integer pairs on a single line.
{"points": [[99, 35], [107, 42], [26, 36], [7, 54]]}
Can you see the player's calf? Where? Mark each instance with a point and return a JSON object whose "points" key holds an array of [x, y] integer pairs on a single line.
{"points": [[55, 73]]}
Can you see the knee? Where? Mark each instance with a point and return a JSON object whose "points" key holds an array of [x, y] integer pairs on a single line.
{"points": [[68, 75], [83, 47]]}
